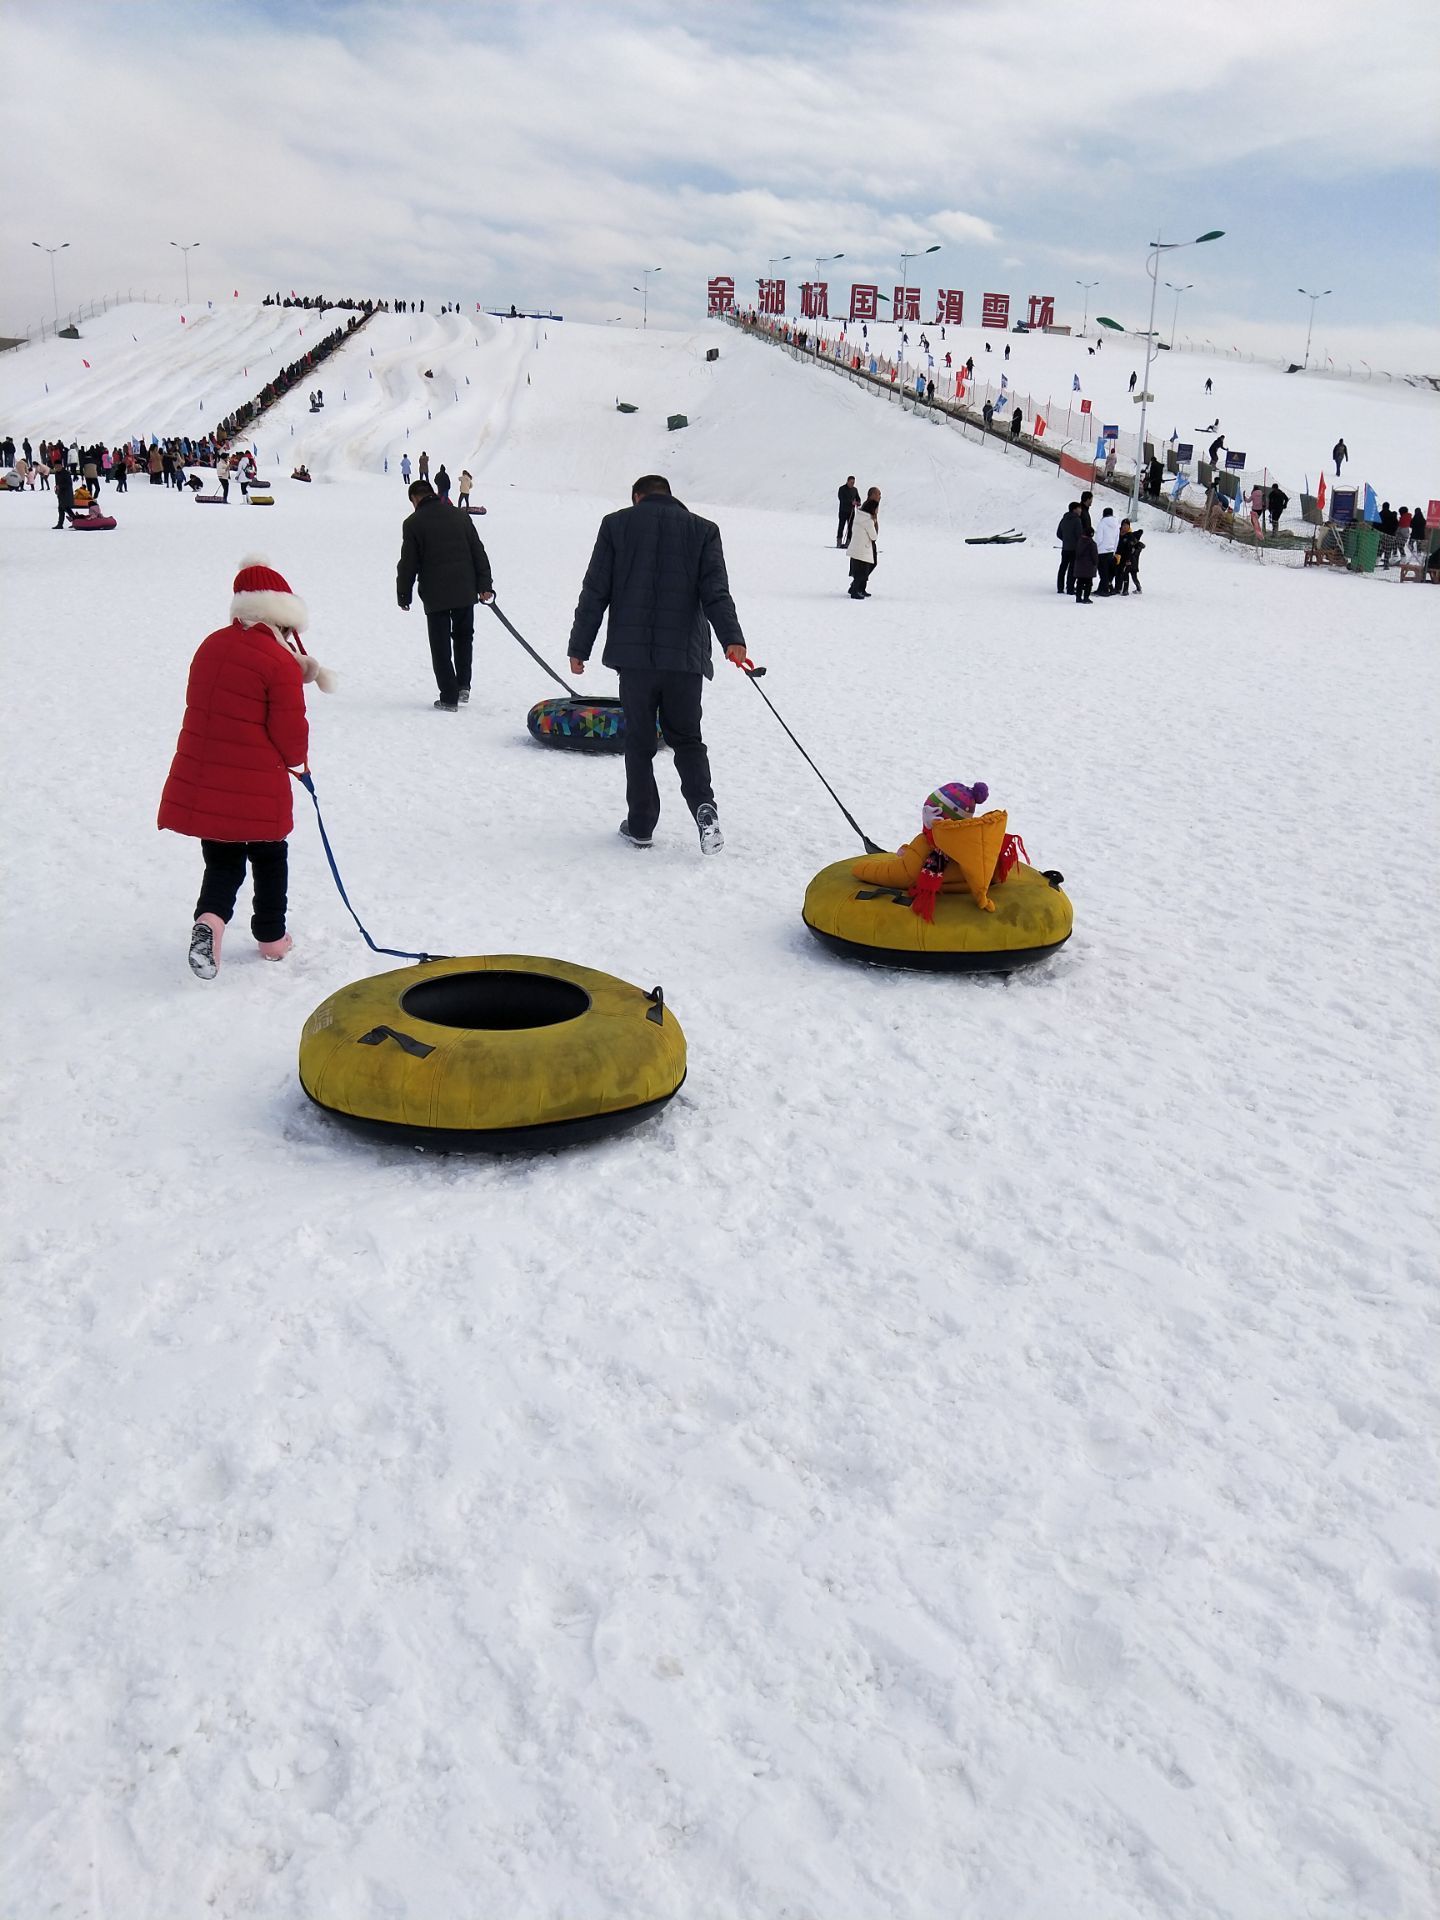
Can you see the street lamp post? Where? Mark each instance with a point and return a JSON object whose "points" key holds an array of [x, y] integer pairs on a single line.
{"points": [[916, 253], [644, 292], [1313, 298], [1085, 316], [824, 260], [1152, 267], [1175, 316], [54, 297], [185, 247]]}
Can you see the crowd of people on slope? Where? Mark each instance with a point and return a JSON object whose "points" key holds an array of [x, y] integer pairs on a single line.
{"points": [[656, 570], [322, 303], [290, 376]]}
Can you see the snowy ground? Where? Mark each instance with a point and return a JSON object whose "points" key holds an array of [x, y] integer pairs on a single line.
{"points": [[971, 1456]]}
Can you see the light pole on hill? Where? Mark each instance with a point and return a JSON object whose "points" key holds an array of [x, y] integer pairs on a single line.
{"points": [[1175, 316], [644, 292], [185, 247], [1152, 267], [916, 253], [1085, 316], [824, 260], [1313, 298], [54, 297]]}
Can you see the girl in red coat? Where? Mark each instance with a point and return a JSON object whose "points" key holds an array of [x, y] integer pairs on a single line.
{"points": [[229, 787]]}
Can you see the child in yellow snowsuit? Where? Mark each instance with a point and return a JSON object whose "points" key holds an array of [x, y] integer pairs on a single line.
{"points": [[953, 852]]}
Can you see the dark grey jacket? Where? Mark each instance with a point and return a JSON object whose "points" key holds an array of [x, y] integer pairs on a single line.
{"points": [[660, 570], [1069, 531], [440, 547]]}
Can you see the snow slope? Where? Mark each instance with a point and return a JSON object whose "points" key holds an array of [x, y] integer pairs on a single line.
{"points": [[972, 1456]]}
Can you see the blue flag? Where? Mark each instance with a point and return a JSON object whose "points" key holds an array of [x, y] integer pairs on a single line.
{"points": [[1371, 508]]}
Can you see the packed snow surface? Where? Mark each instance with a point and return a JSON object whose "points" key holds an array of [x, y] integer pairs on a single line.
{"points": [[971, 1456]]}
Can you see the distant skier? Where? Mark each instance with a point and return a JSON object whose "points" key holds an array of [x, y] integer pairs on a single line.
{"points": [[1217, 447], [1133, 378], [1339, 453], [1209, 386], [228, 785]]}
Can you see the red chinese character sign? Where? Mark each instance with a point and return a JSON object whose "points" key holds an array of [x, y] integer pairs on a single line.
{"points": [[864, 302], [995, 310], [772, 296], [722, 294], [950, 307], [1042, 310], [907, 304], [815, 300]]}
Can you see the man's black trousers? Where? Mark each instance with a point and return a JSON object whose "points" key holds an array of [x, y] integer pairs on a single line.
{"points": [[452, 642], [1107, 575], [847, 522], [674, 700], [1065, 578], [225, 873]]}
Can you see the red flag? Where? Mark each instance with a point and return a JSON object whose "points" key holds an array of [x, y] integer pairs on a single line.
{"points": [[1320, 497], [182, 319], [236, 294], [84, 363], [1039, 425]]}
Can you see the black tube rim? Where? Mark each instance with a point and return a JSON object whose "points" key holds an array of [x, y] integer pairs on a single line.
{"points": [[549, 1136], [951, 960]]}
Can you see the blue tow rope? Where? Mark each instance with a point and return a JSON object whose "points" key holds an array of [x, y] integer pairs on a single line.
{"points": [[396, 953]]}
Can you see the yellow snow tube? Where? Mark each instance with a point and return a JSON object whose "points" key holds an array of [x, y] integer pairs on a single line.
{"points": [[1031, 920], [497, 1053]]}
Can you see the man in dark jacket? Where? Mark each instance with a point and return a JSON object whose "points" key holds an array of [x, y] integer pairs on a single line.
{"points": [[64, 495], [1277, 500], [1068, 534], [849, 500], [660, 570], [440, 547]]}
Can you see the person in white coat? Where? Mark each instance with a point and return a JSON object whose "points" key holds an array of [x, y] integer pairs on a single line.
{"points": [[1107, 539], [864, 552]]}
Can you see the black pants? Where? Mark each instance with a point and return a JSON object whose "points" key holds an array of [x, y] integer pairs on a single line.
{"points": [[860, 572], [673, 699], [1082, 590], [225, 872], [452, 643], [1065, 578], [224, 486], [121, 479], [1106, 564], [66, 513], [842, 531]]}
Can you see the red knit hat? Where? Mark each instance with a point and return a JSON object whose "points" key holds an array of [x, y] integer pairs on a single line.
{"points": [[262, 597], [260, 593]]}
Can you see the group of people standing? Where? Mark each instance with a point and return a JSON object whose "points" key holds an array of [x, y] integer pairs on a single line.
{"points": [[858, 531], [1110, 551], [440, 481]]}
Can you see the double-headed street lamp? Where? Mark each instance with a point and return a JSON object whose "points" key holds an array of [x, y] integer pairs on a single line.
{"points": [[824, 260], [1152, 267], [1313, 298], [916, 253], [185, 247], [644, 292], [1175, 316], [54, 297], [1088, 285]]}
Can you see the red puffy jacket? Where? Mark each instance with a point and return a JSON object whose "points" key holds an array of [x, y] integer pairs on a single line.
{"points": [[244, 725]]}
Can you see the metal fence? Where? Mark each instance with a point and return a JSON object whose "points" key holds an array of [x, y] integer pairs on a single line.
{"points": [[48, 329]]}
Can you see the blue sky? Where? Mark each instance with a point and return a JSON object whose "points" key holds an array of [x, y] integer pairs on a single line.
{"points": [[545, 151]]}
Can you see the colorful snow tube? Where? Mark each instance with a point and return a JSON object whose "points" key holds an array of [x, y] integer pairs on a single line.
{"points": [[93, 522], [1032, 920], [500, 1053], [579, 723]]}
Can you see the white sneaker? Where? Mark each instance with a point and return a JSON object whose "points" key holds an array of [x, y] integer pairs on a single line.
{"points": [[707, 819]]}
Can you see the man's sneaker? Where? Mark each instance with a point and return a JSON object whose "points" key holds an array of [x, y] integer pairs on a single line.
{"points": [[205, 938], [447, 706], [708, 821], [464, 696], [635, 839]]}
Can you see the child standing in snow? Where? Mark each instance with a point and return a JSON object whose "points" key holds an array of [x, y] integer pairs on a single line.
{"points": [[228, 785], [1087, 562]]}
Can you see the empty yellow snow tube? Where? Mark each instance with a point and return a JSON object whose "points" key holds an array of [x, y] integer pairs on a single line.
{"points": [[1032, 919], [496, 1053]]}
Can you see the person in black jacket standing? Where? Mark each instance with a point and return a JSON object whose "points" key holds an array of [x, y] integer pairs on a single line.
{"points": [[64, 495], [660, 570], [1068, 534], [440, 547], [849, 500]]}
